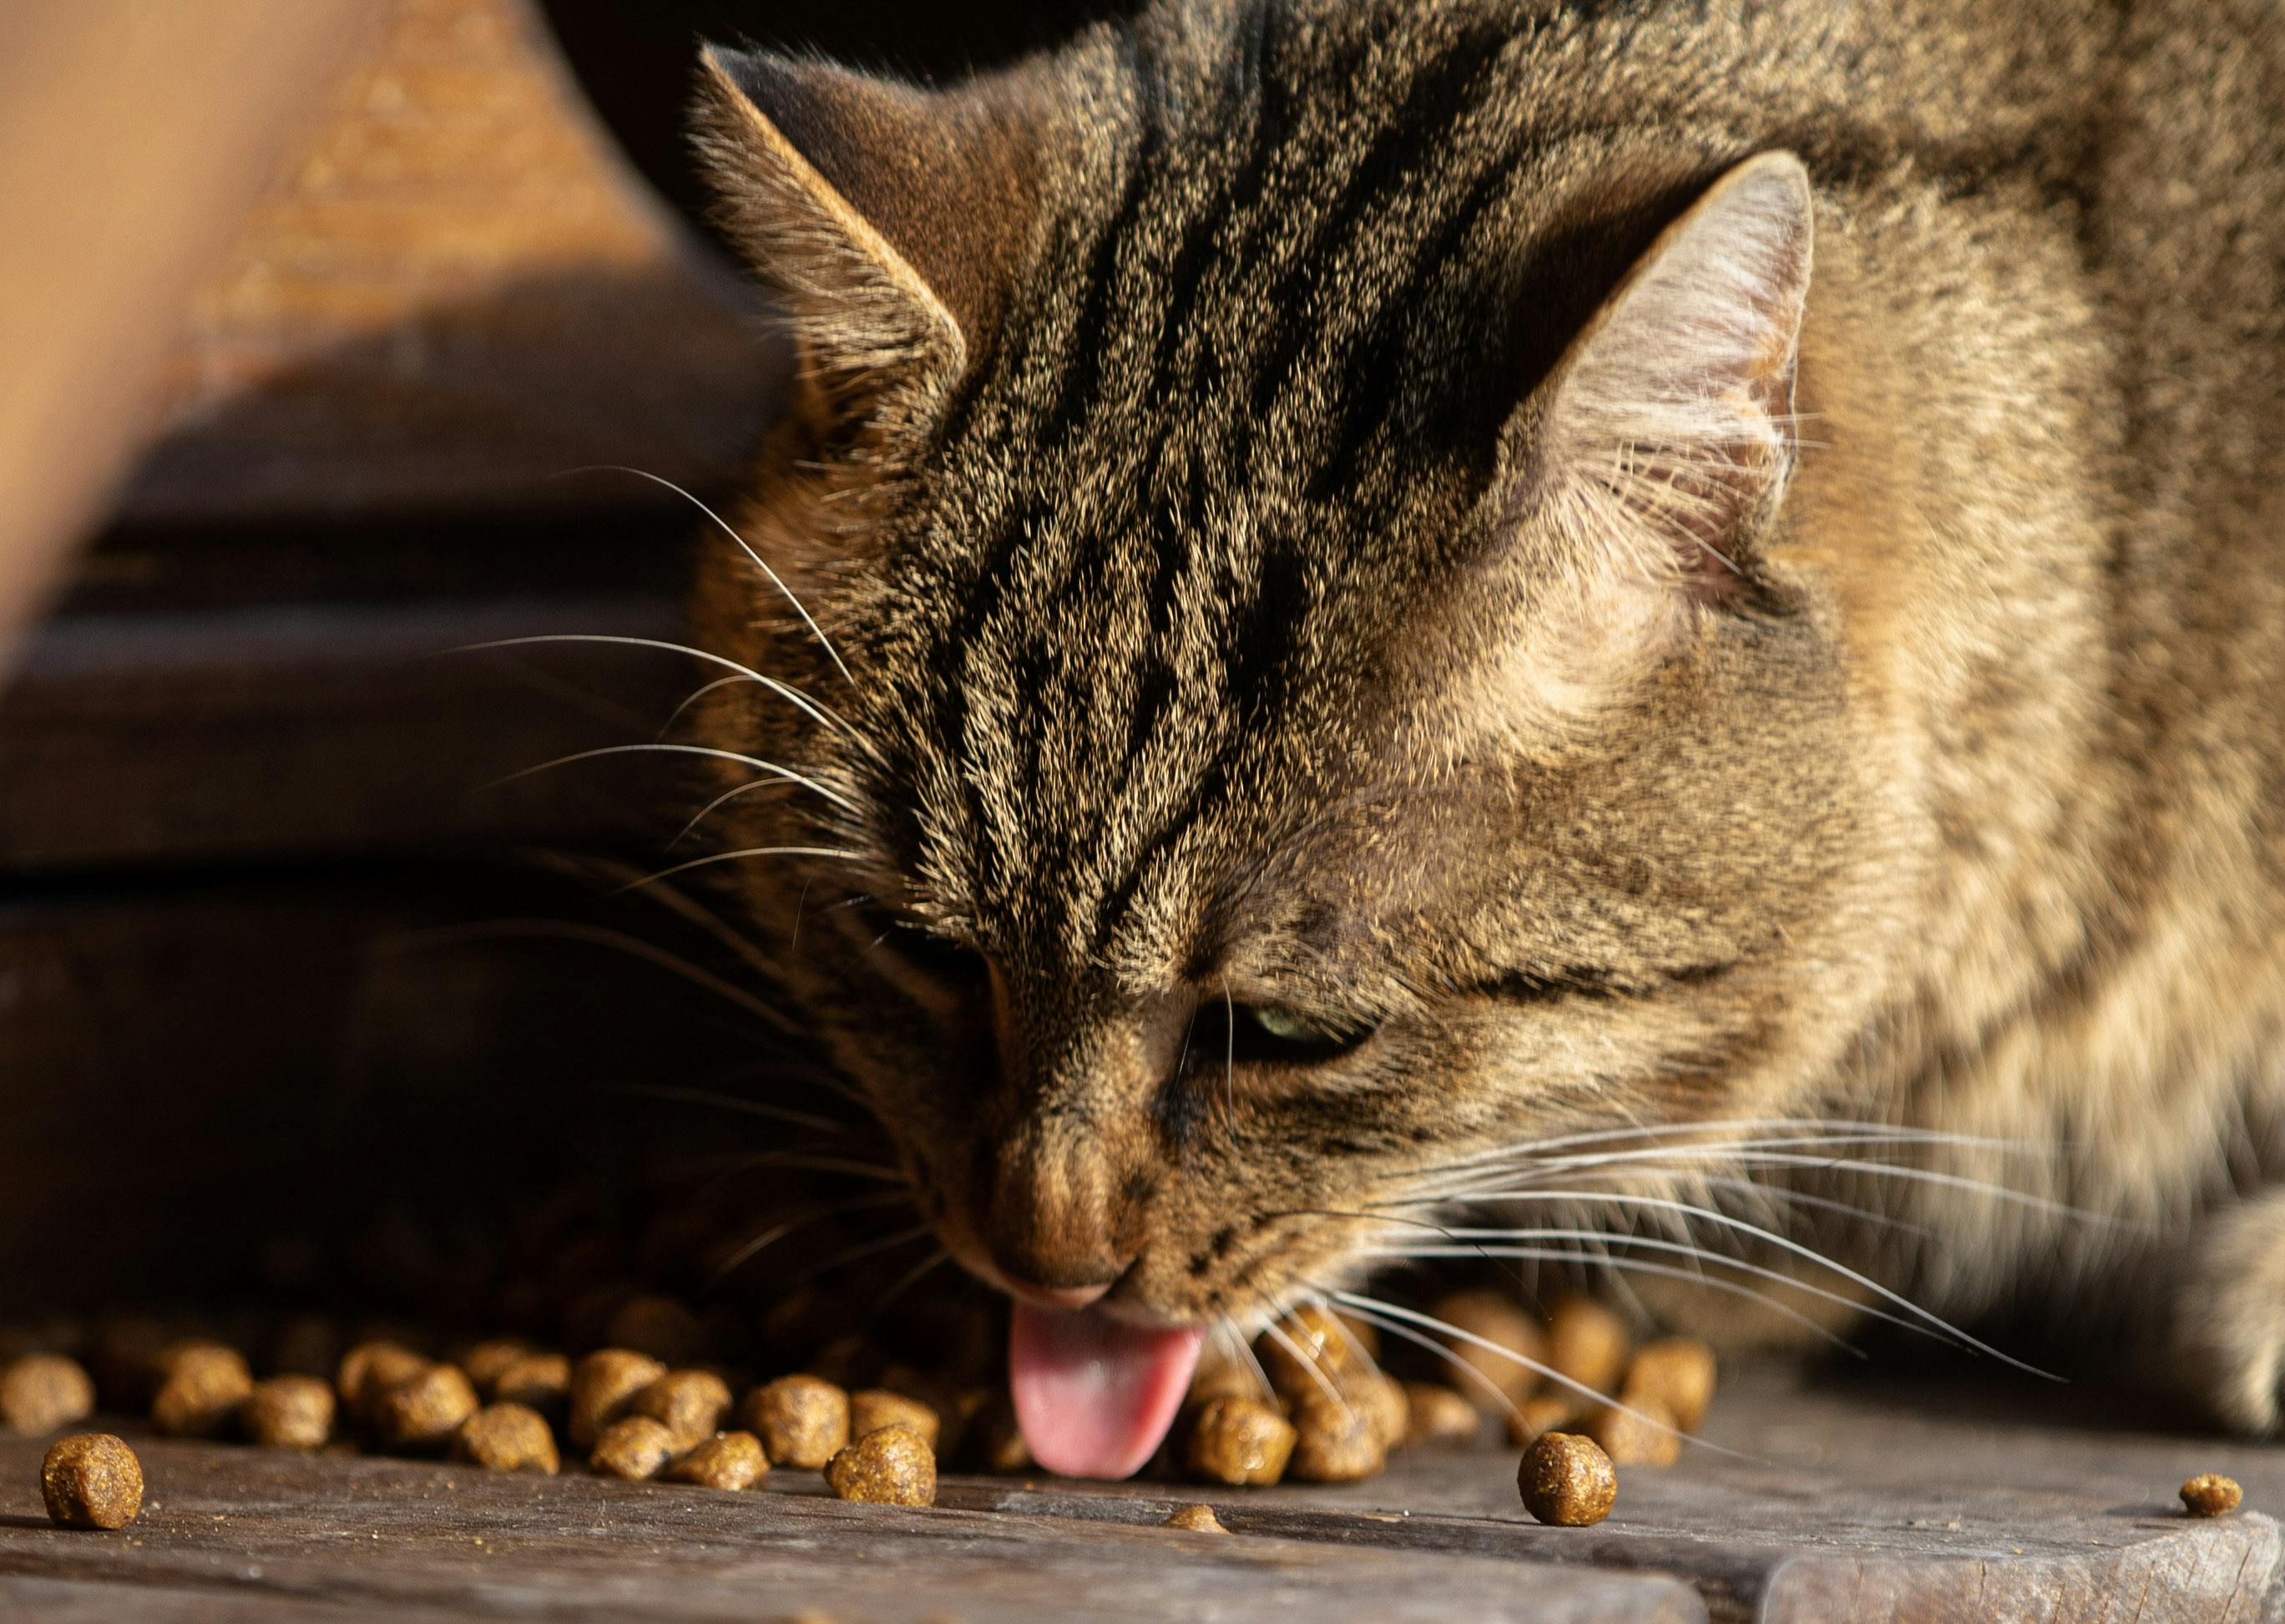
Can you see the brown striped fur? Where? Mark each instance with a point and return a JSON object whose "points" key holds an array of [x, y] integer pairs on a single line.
{"points": [[1236, 476]]}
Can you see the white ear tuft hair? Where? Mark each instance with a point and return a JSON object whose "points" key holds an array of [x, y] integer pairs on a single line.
{"points": [[1666, 431]]}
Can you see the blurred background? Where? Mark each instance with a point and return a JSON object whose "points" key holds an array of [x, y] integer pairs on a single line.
{"points": [[315, 310]]}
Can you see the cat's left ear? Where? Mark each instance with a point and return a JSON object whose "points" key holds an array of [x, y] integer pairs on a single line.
{"points": [[882, 218], [1664, 438]]}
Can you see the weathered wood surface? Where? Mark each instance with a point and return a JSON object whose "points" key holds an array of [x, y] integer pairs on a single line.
{"points": [[459, 291], [1932, 1502]]}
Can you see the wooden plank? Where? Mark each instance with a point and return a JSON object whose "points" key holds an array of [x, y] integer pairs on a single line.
{"points": [[459, 292], [423, 1542]]}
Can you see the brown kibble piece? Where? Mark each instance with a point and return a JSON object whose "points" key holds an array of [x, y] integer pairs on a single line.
{"points": [[1587, 1343], [2211, 1494], [1643, 1435], [489, 1359], [892, 1466], [634, 1448], [540, 1382], [370, 1370], [875, 1407], [1310, 1348], [204, 1385], [1436, 1414], [1568, 1480], [288, 1412], [801, 1420], [727, 1460], [1195, 1520], [691, 1404], [1385, 1401], [1678, 1373], [1222, 1373], [603, 1388], [41, 1392], [1240, 1441], [91, 1480], [422, 1414], [1543, 1413], [660, 1327], [506, 1437], [1500, 1320], [1336, 1443]]}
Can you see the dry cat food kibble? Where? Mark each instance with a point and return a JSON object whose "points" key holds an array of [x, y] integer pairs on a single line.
{"points": [[690, 1404], [508, 1437], [91, 1480], [1436, 1414], [1239, 1441], [1587, 1343], [1642, 1434], [603, 1388], [1195, 1520], [420, 1416], [486, 1361], [634, 1448], [369, 1370], [727, 1460], [1487, 1317], [892, 1466], [288, 1412], [1541, 1413], [801, 1420], [1336, 1441], [205, 1383], [875, 1407], [41, 1392], [2211, 1494], [1567, 1480], [1678, 1374], [539, 1381]]}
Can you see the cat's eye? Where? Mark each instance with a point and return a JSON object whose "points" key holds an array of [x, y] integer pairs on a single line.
{"points": [[937, 957], [1268, 1034]]}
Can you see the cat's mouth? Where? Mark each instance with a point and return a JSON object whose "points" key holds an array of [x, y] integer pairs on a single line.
{"points": [[1096, 1393]]}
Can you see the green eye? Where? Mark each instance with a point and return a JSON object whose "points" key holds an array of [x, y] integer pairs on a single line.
{"points": [[1285, 1025]]}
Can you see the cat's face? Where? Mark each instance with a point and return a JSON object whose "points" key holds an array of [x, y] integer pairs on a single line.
{"points": [[1321, 706]]}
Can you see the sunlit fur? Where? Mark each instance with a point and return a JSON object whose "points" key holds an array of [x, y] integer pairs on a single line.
{"points": [[1276, 561]]}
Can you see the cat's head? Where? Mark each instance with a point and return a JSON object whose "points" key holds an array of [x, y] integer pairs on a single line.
{"points": [[1316, 676]]}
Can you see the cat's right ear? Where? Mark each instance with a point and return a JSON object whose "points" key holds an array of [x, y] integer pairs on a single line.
{"points": [[882, 217]]}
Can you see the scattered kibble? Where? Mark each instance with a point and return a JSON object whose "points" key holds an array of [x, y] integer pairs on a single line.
{"points": [[1336, 1441], [2211, 1494], [660, 1327], [801, 1420], [1568, 1480], [506, 1437], [1239, 1441], [91, 1480], [421, 1415], [539, 1381], [370, 1370], [1195, 1520], [43, 1393], [1642, 1434], [892, 1466], [1676, 1372], [995, 1438], [603, 1388], [1307, 1350], [690, 1404], [205, 1383], [727, 1460], [635, 1447], [288, 1412], [1587, 1343], [1487, 1317], [488, 1360], [1436, 1414], [872, 1408], [1543, 1413]]}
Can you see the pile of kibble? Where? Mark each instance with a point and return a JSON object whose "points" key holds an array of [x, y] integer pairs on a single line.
{"points": [[1308, 1401]]}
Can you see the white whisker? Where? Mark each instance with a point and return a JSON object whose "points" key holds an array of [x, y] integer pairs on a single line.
{"points": [[755, 762], [732, 857]]}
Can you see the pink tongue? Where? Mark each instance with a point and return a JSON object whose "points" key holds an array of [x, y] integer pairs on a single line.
{"points": [[1096, 1394]]}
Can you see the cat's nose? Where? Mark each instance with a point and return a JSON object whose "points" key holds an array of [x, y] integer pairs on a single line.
{"points": [[1072, 1298]]}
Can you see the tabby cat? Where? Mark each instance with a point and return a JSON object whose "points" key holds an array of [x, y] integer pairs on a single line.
{"points": [[1627, 628]]}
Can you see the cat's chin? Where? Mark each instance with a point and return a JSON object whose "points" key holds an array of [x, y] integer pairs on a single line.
{"points": [[1096, 1393]]}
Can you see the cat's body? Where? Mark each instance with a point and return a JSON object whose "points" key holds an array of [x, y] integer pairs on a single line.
{"points": [[1285, 560]]}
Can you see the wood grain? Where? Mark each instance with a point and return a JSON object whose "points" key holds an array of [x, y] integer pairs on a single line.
{"points": [[461, 292], [1944, 1499]]}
